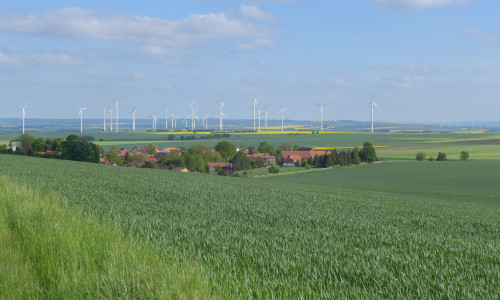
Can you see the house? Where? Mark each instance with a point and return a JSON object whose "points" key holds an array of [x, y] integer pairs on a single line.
{"points": [[228, 167], [268, 159], [168, 150], [184, 170], [303, 154], [288, 162]]}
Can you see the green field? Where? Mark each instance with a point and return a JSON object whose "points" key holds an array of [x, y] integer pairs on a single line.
{"points": [[391, 230], [430, 143]]}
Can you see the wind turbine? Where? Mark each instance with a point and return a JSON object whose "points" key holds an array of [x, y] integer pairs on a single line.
{"points": [[255, 102], [265, 113], [133, 111], [24, 113], [321, 113], [193, 115], [205, 119], [154, 121], [221, 114], [259, 115], [372, 104], [282, 112], [104, 125], [80, 113], [110, 119], [166, 117], [116, 108], [172, 118]]}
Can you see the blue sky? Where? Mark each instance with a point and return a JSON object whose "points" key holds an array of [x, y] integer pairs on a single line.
{"points": [[421, 60]]}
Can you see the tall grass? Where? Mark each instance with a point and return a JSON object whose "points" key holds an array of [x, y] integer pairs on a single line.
{"points": [[50, 251]]}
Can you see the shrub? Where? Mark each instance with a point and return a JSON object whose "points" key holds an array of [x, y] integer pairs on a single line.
{"points": [[431, 158], [464, 155], [420, 156], [441, 156], [273, 169]]}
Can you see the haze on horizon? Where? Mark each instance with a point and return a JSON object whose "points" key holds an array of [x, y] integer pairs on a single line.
{"points": [[422, 60]]}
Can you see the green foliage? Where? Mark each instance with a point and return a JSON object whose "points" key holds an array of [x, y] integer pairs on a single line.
{"points": [[195, 162], [420, 156], [355, 156], [441, 156], [431, 158], [265, 147], [151, 149], [80, 150], [464, 155], [259, 162], [26, 141], [206, 153], [114, 156], [226, 149], [274, 169], [287, 146], [171, 137], [241, 161], [38, 145], [368, 153]]}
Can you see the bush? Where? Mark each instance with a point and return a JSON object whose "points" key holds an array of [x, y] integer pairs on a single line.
{"points": [[464, 155], [273, 169], [431, 158], [420, 156], [441, 156]]}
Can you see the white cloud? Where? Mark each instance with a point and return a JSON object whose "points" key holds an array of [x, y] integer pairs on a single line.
{"points": [[481, 35], [340, 82], [256, 44], [255, 13], [43, 58], [81, 23], [419, 4], [4, 59]]}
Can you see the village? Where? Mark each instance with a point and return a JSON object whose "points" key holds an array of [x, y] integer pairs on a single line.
{"points": [[227, 160]]}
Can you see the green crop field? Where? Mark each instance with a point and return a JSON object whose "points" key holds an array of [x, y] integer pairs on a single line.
{"points": [[403, 235]]}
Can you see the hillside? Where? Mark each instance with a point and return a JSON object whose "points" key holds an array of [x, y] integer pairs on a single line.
{"points": [[273, 238]]}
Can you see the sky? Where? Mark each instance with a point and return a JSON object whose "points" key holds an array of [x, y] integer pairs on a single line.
{"points": [[420, 60]]}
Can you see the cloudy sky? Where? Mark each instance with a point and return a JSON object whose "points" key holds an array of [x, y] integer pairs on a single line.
{"points": [[421, 60]]}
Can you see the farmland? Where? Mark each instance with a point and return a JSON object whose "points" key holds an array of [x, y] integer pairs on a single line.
{"points": [[285, 237]]}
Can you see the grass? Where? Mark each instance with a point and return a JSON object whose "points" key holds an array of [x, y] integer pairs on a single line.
{"points": [[470, 181], [282, 170], [270, 238], [49, 251]]}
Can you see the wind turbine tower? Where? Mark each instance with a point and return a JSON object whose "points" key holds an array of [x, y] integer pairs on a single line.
{"points": [[111, 119], [221, 114], [24, 113], [265, 113], [166, 117], [116, 108], [282, 112], [321, 113], [104, 125], [133, 111], [254, 104], [80, 113], [372, 104], [193, 115]]}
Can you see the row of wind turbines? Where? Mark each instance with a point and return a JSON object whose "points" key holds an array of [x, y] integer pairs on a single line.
{"points": [[173, 118]]}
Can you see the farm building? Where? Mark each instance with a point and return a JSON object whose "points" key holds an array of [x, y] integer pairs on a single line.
{"points": [[302, 154], [225, 166], [268, 159]]}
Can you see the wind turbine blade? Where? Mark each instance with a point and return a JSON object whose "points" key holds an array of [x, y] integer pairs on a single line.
{"points": [[376, 105]]}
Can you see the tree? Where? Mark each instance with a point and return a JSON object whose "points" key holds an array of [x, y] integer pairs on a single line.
{"points": [[26, 141], [273, 169], [195, 163], [265, 147], [259, 162], [252, 150], [420, 156], [226, 149], [151, 149], [464, 155], [38, 145], [171, 137], [137, 159], [368, 153], [80, 150], [206, 152], [114, 156], [285, 146], [441, 156], [241, 162]]}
